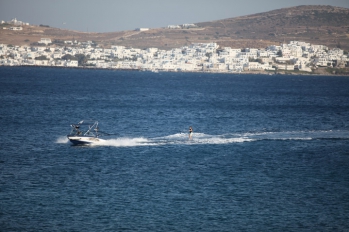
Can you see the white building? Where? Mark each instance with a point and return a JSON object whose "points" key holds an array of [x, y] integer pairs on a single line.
{"points": [[254, 66], [286, 67], [16, 22], [71, 63], [16, 28], [45, 41], [41, 62], [174, 27], [142, 29], [189, 25]]}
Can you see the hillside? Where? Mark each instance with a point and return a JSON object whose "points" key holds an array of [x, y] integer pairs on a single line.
{"points": [[325, 25]]}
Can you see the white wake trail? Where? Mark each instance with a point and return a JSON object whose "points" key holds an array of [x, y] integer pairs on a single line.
{"points": [[126, 142], [202, 138]]}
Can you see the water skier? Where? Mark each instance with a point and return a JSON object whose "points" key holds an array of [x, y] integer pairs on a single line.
{"points": [[190, 132]]}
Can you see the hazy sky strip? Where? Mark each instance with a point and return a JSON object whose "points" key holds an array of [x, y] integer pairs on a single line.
{"points": [[117, 15]]}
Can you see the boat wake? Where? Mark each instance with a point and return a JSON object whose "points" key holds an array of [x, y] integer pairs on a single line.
{"points": [[126, 142], [202, 138], [62, 139]]}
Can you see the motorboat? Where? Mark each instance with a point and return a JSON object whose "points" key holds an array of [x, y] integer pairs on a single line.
{"points": [[86, 132]]}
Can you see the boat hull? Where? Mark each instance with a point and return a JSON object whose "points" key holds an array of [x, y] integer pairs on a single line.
{"points": [[84, 140]]}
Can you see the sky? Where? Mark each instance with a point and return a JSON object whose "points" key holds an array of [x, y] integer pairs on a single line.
{"points": [[120, 15]]}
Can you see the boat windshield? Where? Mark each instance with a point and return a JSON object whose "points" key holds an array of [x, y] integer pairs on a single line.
{"points": [[85, 128]]}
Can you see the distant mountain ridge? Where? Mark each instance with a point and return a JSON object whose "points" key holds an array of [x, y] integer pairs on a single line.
{"points": [[326, 25]]}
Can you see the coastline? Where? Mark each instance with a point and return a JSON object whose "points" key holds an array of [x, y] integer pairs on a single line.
{"points": [[260, 72]]}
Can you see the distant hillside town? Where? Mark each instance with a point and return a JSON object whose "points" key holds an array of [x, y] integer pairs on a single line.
{"points": [[207, 57], [16, 24]]}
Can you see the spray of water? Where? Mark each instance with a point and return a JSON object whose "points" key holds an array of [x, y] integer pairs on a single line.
{"points": [[126, 142], [201, 138], [62, 139]]}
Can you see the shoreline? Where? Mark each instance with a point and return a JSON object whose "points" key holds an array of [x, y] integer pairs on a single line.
{"points": [[270, 73]]}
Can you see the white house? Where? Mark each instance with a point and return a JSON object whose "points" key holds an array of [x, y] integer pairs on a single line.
{"points": [[142, 29], [71, 63], [323, 61], [173, 27], [16, 28], [45, 41], [286, 67], [253, 66], [189, 25]]}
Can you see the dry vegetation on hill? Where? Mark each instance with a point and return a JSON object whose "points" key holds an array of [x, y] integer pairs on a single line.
{"points": [[325, 25]]}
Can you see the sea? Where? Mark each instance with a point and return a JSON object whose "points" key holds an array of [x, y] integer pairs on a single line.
{"points": [[268, 153]]}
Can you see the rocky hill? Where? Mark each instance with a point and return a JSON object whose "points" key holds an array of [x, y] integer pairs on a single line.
{"points": [[326, 25]]}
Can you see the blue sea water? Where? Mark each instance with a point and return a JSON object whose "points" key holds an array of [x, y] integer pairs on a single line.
{"points": [[269, 153]]}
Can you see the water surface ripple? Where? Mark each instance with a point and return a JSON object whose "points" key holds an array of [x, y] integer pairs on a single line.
{"points": [[269, 153]]}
